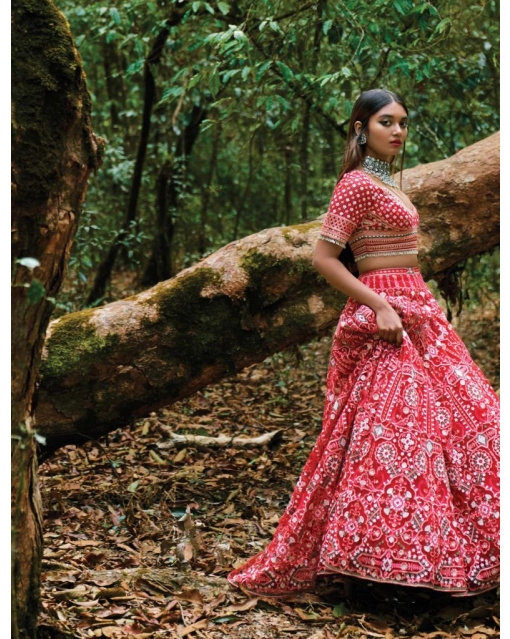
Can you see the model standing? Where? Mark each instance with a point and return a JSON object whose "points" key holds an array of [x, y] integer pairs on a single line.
{"points": [[402, 485]]}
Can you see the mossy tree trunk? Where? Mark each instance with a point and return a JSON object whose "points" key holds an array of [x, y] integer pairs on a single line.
{"points": [[254, 297], [53, 152]]}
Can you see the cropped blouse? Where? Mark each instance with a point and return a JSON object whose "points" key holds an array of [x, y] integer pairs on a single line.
{"points": [[370, 217]]}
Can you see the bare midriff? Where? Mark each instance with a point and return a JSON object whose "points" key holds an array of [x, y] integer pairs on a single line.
{"points": [[387, 261]]}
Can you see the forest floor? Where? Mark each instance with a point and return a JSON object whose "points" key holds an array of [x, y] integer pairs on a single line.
{"points": [[139, 535]]}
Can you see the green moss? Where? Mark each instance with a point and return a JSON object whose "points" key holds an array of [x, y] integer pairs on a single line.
{"points": [[74, 345], [291, 301], [296, 322], [183, 299], [220, 329], [265, 271], [49, 95], [193, 332], [301, 228], [207, 330]]}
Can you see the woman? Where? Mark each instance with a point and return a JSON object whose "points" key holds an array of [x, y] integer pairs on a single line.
{"points": [[402, 485]]}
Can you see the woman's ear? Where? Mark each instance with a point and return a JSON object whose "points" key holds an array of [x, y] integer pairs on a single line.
{"points": [[357, 126]]}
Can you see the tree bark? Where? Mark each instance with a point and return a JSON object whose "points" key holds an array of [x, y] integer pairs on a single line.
{"points": [[170, 180], [53, 153], [202, 236], [253, 297]]}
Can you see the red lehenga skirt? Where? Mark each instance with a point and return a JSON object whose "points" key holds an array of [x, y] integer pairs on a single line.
{"points": [[402, 485]]}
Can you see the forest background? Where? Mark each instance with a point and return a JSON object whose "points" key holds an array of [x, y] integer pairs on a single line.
{"points": [[220, 120], [230, 118]]}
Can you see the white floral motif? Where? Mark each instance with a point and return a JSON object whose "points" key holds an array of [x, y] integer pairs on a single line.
{"points": [[457, 456], [360, 209], [383, 470], [411, 396], [480, 461], [407, 442], [385, 453], [439, 468], [474, 391], [443, 417]]}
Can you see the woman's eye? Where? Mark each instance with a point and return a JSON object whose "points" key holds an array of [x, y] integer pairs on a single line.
{"points": [[404, 125]]}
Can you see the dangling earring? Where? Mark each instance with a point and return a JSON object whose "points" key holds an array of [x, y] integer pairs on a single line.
{"points": [[362, 139]]}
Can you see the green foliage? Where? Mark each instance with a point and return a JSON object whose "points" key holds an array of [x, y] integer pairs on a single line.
{"points": [[252, 67], [35, 291], [480, 280], [478, 283]]}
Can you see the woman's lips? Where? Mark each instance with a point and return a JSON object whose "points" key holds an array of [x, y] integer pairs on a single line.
{"points": [[396, 143]]}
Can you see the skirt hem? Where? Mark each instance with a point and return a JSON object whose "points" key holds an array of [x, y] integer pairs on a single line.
{"points": [[408, 453], [453, 592], [462, 592]]}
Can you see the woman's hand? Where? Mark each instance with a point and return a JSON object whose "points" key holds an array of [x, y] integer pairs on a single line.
{"points": [[389, 325]]}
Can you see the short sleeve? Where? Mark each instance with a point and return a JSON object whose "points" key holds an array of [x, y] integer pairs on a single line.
{"points": [[352, 198]]}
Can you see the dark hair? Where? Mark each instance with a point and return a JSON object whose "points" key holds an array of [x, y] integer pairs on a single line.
{"points": [[368, 103]]}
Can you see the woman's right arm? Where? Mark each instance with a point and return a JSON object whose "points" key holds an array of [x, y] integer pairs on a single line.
{"points": [[325, 260]]}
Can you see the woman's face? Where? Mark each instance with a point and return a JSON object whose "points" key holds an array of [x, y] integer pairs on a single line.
{"points": [[385, 127]]}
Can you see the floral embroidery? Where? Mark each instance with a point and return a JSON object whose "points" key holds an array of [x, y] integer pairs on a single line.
{"points": [[373, 220], [402, 484]]}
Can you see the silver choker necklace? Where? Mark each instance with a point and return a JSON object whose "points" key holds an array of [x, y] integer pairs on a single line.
{"points": [[379, 168]]}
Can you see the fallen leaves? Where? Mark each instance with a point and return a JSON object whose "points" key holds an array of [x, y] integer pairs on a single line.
{"points": [[139, 536]]}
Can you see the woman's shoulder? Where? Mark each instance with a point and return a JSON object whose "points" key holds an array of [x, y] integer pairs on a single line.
{"points": [[357, 175], [358, 180]]}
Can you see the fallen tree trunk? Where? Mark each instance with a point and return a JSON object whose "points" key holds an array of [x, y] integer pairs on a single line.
{"points": [[458, 202], [105, 366]]}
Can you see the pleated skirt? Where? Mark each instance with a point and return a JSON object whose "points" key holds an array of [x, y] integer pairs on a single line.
{"points": [[402, 484]]}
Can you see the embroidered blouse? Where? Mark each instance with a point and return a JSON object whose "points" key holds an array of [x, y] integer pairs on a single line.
{"points": [[371, 218]]}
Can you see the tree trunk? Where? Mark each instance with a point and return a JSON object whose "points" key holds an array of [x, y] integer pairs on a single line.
{"points": [[170, 182], [241, 200], [105, 268], [252, 298], [287, 196], [303, 161], [160, 262], [113, 83], [202, 237], [53, 152], [307, 110]]}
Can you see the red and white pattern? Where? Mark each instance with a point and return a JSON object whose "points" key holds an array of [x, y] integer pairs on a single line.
{"points": [[371, 218], [402, 485]]}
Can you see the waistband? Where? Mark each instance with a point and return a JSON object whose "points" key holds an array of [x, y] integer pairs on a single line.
{"points": [[398, 277]]}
